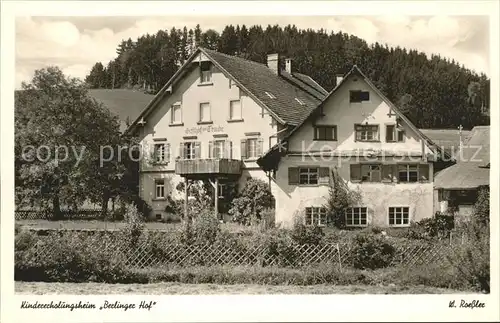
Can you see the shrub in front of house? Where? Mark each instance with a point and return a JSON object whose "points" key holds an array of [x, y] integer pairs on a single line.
{"points": [[471, 259], [302, 234], [438, 226], [372, 251]]}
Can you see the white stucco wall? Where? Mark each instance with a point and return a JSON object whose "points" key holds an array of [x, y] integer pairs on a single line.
{"points": [[291, 200], [190, 94], [340, 112]]}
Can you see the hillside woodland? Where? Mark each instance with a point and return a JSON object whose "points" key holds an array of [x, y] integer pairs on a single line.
{"points": [[433, 92]]}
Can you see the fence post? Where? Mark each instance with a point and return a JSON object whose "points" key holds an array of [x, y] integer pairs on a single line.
{"points": [[451, 236]]}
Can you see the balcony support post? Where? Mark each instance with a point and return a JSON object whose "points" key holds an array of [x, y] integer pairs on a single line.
{"points": [[216, 197], [186, 188]]}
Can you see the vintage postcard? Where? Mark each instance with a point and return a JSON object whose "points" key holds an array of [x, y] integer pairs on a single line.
{"points": [[249, 161]]}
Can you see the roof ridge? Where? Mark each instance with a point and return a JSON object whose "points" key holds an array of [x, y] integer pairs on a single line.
{"points": [[233, 56]]}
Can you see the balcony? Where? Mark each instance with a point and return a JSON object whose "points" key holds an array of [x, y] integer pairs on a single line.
{"points": [[186, 167]]}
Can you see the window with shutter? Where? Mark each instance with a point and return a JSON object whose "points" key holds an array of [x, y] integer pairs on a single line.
{"points": [[293, 175], [355, 173], [358, 96], [328, 133], [308, 175]]}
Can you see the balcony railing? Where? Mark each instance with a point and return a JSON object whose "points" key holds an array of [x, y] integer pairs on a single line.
{"points": [[208, 167]]}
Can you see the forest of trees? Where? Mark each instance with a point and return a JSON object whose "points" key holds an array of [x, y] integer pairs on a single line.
{"points": [[433, 93]]}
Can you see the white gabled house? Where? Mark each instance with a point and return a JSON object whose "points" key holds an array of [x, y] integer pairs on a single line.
{"points": [[371, 144], [214, 118]]}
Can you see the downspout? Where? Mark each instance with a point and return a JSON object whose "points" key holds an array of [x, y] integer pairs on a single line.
{"points": [[270, 137]]}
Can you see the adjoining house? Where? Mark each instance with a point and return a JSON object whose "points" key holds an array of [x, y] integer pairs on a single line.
{"points": [[124, 103], [450, 140], [214, 118], [456, 187], [358, 133]]}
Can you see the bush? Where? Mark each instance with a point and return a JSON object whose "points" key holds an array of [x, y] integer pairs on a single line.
{"points": [[251, 203], [340, 197], [302, 234], [472, 258], [371, 252], [438, 226], [72, 258]]}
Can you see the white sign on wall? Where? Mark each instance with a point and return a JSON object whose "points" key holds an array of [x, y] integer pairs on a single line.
{"points": [[201, 129]]}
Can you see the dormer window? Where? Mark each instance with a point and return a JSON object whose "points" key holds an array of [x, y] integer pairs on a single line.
{"points": [[270, 95], [359, 96], [205, 73]]}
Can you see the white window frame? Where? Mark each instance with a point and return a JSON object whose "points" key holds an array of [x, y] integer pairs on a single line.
{"points": [[159, 188], [364, 133], [252, 153], [172, 114], [315, 215], [395, 133], [317, 129], [401, 211], [408, 170], [206, 75], [353, 212], [190, 151], [309, 173], [231, 116], [219, 146], [202, 104], [160, 152]]}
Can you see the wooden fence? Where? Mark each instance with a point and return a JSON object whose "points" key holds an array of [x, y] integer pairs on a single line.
{"points": [[82, 214], [157, 253]]}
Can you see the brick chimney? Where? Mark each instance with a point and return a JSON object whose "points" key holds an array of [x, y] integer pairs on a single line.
{"points": [[288, 65], [273, 63]]}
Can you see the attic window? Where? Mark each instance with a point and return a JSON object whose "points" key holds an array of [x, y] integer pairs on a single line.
{"points": [[270, 95], [205, 73], [300, 102], [359, 96]]}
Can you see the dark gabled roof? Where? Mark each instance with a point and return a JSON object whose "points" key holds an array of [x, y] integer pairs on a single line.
{"points": [[447, 139], [273, 156], [472, 168], [258, 79], [126, 104], [255, 80]]}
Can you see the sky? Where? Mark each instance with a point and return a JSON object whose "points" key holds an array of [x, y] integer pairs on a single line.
{"points": [[75, 44]]}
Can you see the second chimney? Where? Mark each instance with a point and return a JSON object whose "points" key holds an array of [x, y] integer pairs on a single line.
{"points": [[273, 63], [288, 65]]}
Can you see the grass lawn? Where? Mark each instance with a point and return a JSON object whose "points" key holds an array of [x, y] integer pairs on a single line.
{"points": [[40, 288]]}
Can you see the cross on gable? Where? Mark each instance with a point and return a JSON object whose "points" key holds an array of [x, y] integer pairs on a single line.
{"points": [[391, 113]]}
